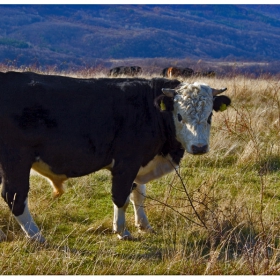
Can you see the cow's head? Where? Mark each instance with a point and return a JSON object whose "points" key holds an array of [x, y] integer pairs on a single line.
{"points": [[192, 111]]}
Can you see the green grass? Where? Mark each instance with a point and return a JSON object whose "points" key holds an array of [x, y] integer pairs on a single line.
{"points": [[78, 225], [220, 216]]}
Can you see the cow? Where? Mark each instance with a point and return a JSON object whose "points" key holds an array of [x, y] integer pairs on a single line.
{"points": [[125, 70], [164, 72], [64, 127], [209, 74], [173, 72]]}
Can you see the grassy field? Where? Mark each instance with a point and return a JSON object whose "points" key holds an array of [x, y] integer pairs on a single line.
{"points": [[218, 215]]}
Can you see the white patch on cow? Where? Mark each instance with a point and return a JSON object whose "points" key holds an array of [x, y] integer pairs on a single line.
{"points": [[28, 225], [194, 103], [156, 168], [137, 198]]}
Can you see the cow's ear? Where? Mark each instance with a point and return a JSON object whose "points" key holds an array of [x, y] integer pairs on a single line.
{"points": [[164, 103], [221, 102], [169, 92]]}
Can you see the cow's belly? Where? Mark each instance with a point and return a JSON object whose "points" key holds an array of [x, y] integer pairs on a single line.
{"points": [[156, 168], [47, 171]]}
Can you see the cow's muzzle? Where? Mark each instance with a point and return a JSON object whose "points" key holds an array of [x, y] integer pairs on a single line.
{"points": [[199, 149]]}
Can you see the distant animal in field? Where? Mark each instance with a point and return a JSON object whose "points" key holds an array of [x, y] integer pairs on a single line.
{"points": [[164, 72], [174, 72], [66, 127], [125, 70], [209, 74]]}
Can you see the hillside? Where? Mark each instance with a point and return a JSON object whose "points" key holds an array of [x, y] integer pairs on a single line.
{"points": [[85, 35]]}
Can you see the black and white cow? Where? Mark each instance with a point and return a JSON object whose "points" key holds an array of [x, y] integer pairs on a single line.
{"points": [[125, 70], [65, 127]]}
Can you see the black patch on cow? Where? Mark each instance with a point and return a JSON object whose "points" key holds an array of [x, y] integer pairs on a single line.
{"points": [[173, 148], [219, 100], [34, 117], [91, 146]]}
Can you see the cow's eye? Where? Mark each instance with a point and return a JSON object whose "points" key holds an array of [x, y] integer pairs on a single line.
{"points": [[179, 118], [210, 118]]}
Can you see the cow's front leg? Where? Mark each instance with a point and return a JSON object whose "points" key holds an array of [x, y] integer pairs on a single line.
{"points": [[137, 198], [123, 174], [28, 225], [119, 226]]}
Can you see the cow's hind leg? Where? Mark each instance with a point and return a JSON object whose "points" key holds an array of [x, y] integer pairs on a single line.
{"points": [[15, 179], [137, 198], [56, 180], [58, 188]]}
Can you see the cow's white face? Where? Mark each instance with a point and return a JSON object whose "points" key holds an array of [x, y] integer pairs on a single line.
{"points": [[193, 105]]}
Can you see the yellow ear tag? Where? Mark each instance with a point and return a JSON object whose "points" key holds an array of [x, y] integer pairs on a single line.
{"points": [[223, 107], [162, 106]]}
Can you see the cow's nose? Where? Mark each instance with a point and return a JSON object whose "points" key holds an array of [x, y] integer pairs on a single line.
{"points": [[199, 149]]}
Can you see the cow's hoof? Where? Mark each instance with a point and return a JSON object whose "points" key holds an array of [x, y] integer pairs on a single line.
{"points": [[147, 229], [38, 238], [57, 193], [125, 236]]}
